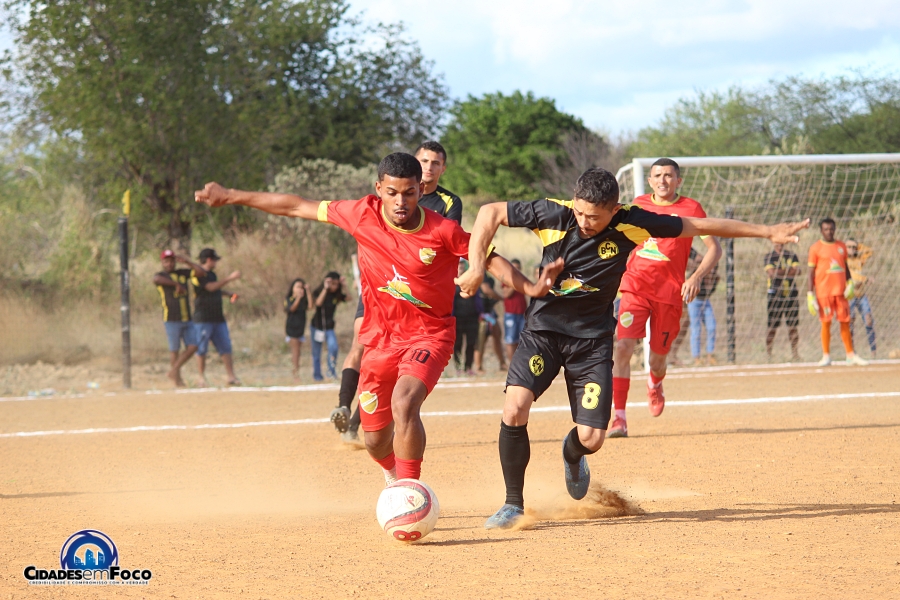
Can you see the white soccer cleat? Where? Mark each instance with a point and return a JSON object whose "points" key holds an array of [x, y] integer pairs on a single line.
{"points": [[390, 476], [826, 360], [856, 359]]}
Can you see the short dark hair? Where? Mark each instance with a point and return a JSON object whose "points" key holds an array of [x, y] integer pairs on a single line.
{"points": [[432, 146], [597, 186], [827, 220], [400, 165], [667, 162]]}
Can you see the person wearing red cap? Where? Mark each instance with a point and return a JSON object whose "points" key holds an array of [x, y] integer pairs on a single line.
{"points": [[172, 285]]}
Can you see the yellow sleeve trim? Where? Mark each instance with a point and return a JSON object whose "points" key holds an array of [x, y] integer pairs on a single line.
{"points": [[549, 236], [490, 249], [448, 201], [810, 264], [322, 212], [566, 203], [636, 234], [703, 237]]}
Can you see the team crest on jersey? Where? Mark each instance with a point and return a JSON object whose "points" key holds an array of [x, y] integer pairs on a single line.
{"points": [[368, 402], [835, 267], [650, 251], [399, 289], [427, 255], [626, 319], [608, 249], [570, 285], [536, 364]]}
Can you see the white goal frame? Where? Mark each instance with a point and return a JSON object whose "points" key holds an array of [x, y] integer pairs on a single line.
{"points": [[637, 166]]}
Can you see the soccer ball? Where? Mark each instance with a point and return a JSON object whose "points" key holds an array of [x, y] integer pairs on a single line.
{"points": [[407, 510]]}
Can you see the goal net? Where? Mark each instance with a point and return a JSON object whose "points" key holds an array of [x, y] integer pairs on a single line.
{"points": [[860, 192]]}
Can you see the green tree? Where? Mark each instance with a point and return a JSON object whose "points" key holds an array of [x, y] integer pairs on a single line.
{"points": [[161, 96], [845, 114], [499, 144]]}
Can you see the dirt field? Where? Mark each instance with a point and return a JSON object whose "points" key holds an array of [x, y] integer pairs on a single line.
{"points": [[792, 493]]}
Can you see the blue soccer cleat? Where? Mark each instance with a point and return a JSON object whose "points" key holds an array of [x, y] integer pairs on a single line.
{"points": [[578, 476], [505, 518]]}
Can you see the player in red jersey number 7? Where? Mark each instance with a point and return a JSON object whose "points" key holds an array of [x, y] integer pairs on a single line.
{"points": [[408, 257], [654, 288]]}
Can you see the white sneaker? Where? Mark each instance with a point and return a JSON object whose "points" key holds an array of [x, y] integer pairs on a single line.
{"points": [[856, 359], [390, 476], [826, 360]]}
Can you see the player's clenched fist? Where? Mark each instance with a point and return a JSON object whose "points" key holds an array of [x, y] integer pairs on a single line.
{"points": [[212, 195]]}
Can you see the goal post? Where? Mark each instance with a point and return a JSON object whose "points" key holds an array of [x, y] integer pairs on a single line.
{"points": [[860, 191]]}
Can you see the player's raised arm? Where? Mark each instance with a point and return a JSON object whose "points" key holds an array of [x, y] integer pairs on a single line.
{"points": [[783, 233], [285, 205], [490, 218]]}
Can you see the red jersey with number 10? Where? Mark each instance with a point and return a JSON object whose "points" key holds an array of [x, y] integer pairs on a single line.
{"points": [[407, 275], [656, 268]]}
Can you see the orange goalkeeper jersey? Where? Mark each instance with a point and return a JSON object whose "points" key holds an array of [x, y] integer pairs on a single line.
{"points": [[830, 262]]}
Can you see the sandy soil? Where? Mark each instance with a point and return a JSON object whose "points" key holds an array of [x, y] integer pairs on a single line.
{"points": [[768, 499]]}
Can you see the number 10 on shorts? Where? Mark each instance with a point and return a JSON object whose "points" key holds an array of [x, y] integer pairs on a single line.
{"points": [[591, 398]]}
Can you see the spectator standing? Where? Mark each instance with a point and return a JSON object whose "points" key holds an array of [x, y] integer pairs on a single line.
{"points": [[467, 312], [171, 283], [684, 325], [296, 304], [782, 266], [701, 314], [488, 327], [326, 298], [209, 318], [857, 256], [514, 306]]}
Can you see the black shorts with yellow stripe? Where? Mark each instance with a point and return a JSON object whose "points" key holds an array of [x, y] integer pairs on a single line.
{"points": [[588, 371]]}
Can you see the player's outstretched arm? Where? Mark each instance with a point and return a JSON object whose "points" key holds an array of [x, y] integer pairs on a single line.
{"points": [[507, 274], [783, 233], [285, 205], [490, 218]]}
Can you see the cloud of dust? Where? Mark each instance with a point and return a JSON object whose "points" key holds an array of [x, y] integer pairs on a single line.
{"points": [[600, 503]]}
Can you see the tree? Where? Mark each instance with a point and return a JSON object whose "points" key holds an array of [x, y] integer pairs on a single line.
{"points": [[845, 114], [499, 144], [164, 95]]}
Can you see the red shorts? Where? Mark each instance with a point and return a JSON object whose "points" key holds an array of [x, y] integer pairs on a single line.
{"points": [[423, 359], [665, 321], [831, 307]]}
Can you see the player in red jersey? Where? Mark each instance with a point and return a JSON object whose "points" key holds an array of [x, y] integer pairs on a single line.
{"points": [[408, 258], [654, 288]]}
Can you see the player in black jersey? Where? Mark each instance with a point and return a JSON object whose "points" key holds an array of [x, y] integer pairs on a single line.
{"points": [[572, 326], [172, 285], [782, 266], [433, 159]]}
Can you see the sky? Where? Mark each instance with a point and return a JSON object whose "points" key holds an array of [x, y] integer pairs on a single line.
{"points": [[618, 65]]}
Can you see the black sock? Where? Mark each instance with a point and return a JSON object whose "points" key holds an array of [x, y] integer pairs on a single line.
{"points": [[349, 383], [573, 449], [515, 452], [354, 420]]}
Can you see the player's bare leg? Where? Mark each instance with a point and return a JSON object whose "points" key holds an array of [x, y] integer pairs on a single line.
{"points": [[498, 346], [201, 370], [177, 362], [406, 439]]}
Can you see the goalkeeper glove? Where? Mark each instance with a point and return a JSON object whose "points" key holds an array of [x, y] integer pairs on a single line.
{"points": [[812, 304], [850, 290]]}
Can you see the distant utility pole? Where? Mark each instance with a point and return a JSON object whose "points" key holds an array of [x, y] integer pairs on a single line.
{"points": [[126, 290]]}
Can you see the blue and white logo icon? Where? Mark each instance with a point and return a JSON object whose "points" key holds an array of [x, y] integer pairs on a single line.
{"points": [[88, 549]]}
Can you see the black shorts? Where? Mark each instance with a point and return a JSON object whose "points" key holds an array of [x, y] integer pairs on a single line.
{"points": [[778, 307], [588, 369], [360, 311]]}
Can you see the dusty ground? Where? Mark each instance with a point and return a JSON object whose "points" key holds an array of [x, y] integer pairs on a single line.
{"points": [[770, 499]]}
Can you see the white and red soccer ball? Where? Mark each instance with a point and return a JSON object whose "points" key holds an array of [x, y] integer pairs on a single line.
{"points": [[407, 510]]}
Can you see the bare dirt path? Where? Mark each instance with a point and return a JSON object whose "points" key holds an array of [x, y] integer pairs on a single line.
{"points": [[763, 499]]}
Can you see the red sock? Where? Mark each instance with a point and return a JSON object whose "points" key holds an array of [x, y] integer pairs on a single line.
{"points": [[654, 381], [620, 391], [409, 468], [387, 463]]}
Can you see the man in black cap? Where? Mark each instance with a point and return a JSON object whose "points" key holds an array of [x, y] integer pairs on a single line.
{"points": [[208, 316]]}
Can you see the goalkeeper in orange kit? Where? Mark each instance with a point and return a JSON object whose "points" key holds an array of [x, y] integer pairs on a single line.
{"points": [[830, 288]]}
